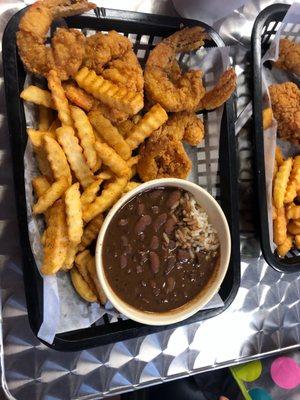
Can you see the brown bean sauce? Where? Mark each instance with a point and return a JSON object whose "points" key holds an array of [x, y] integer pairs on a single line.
{"points": [[142, 267]]}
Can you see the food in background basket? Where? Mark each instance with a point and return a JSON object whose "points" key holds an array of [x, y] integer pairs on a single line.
{"points": [[95, 133], [174, 248], [286, 208], [289, 56], [285, 99]]}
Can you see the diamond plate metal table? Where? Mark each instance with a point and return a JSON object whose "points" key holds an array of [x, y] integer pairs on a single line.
{"points": [[263, 319]]}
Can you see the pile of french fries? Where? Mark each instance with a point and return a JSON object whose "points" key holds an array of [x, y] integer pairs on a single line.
{"points": [[86, 165], [286, 206]]}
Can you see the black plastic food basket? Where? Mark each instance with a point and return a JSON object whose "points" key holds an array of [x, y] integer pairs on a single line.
{"points": [[145, 29], [264, 30]]}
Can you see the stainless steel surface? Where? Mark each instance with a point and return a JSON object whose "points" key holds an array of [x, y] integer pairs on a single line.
{"points": [[263, 319]]}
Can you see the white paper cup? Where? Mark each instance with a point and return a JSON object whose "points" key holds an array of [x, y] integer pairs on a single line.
{"points": [[218, 221]]}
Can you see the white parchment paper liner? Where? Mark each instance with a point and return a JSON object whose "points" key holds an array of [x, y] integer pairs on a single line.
{"points": [[64, 310], [290, 29]]}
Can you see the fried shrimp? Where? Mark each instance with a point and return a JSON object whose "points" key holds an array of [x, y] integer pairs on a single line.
{"points": [[184, 126], [67, 50], [164, 82], [220, 93], [102, 48], [162, 157]]}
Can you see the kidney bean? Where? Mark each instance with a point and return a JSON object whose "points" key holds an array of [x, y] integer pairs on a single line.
{"points": [[155, 209], [171, 264], [173, 198], [154, 243], [141, 209], [124, 240], [153, 284], [170, 284], [172, 245], [156, 194], [154, 261], [123, 221], [142, 223], [159, 221], [170, 226], [123, 261], [183, 255], [128, 249]]}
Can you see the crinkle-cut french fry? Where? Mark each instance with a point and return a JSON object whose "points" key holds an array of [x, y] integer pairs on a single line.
{"points": [[81, 262], [52, 128], [105, 175], [70, 257], [57, 159], [90, 193], [110, 158], [36, 136], [125, 127], [78, 96], [296, 222], [136, 118], [55, 191], [36, 139], [293, 212], [45, 118], [280, 227], [98, 165], [108, 197], [293, 228], [90, 232], [267, 118], [81, 287], [91, 266], [86, 135], [74, 213], [110, 134], [278, 156], [133, 161], [73, 151], [275, 170], [40, 185], [130, 186], [39, 96], [109, 93], [297, 241], [285, 247], [281, 181], [151, 121], [274, 212], [56, 240], [294, 181], [59, 99]]}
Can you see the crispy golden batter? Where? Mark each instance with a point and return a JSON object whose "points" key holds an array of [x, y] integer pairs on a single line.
{"points": [[220, 93], [67, 48], [185, 126], [164, 82], [285, 98], [163, 157], [289, 56], [68, 51], [102, 48]]}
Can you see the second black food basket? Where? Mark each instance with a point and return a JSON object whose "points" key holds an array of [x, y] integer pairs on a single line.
{"points": [[265, 27]]}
